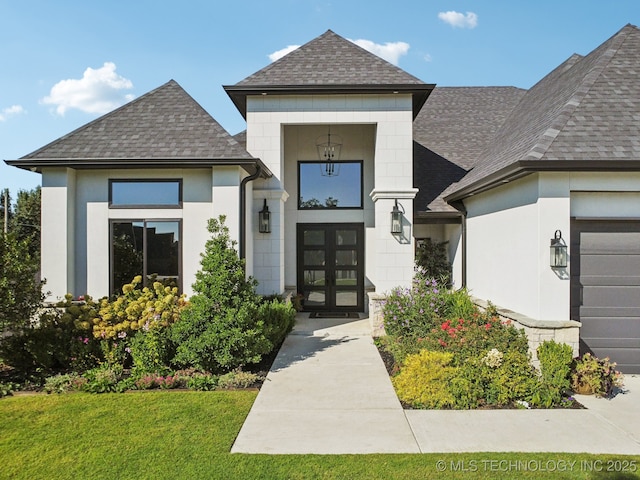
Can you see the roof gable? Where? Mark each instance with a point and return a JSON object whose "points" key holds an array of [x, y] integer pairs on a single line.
{"points": [[330, 60], [582, 113], [329, 64], [166, 123]]}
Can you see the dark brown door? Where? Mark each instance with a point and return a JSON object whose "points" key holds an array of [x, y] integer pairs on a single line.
{"points": [[331, 266], [605, 289]]}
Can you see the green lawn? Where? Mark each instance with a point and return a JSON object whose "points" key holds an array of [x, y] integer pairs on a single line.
{"points": [[188, 435]]}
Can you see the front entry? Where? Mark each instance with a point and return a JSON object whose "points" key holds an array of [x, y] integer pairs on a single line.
{"points": [[331, 266]]}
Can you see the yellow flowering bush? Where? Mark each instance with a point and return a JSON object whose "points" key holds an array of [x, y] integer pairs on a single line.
{"points": [[138, 309]]}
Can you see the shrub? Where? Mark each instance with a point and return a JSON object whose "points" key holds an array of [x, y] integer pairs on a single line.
{"points": [[593, 375], [103, 379], [202, 381], [278, 318], [467, 338], [64, 383], [238, 379], [555, 368], [224, 326], [431, 257], [7, 389], [20, 291], [424, 380], [414, 311]]}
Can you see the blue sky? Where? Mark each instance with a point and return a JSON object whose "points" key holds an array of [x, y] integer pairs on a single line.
{"points": [[66, 62]]}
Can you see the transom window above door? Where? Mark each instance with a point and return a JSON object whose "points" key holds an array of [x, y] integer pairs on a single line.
{"points": [[342, 189], [145, 193]]}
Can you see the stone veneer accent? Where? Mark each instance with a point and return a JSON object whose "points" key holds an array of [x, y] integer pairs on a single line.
{"points": [[537, 331]]}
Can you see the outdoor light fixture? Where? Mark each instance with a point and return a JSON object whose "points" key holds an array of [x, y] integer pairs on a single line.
{"points": [[558, 251], [264, 219], [328, 153], [396, 219]]}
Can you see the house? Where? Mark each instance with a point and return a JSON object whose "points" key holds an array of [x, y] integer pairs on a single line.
{"points": [[331, 149]]}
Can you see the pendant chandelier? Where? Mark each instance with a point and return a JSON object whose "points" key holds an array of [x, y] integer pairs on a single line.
{"points": [[329, 147]]}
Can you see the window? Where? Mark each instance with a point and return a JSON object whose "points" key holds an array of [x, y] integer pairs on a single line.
{"points": [[145, 193], [342, 189], [150, 248]]}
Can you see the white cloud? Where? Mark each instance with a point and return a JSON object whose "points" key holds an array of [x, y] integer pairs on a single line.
{"points": [[11, 111], [427, 57], [390, 51], [457, 19], [281, 53], [98, 91]]}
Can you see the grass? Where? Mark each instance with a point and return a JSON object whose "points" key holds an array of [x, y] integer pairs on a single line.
{"points": [[188, 435]]}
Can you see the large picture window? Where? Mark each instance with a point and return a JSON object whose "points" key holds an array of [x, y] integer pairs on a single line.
{"points": [[150, 248], [341, 189], [145, 193]]}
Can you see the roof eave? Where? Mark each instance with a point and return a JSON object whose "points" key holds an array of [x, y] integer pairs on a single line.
{"points": [[239, 93], [525, 167], [250, 165], [427, 217]]}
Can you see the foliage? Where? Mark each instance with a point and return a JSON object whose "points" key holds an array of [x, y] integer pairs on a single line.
{"points": [[431, 257], [238, 379], [51, 344], [154, 380], [20, 290], [64, 383], [476, 335], [202, 382], [25, 220], [424, 378], [7, 389], [414, 311], [103, 379], [493, 378], [593, 375], [224, 326], [278, 318], [555, 368]]}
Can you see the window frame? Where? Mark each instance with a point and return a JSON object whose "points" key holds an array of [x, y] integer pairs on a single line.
{"points": [[144, 221], [317, 162], [140, 205]]}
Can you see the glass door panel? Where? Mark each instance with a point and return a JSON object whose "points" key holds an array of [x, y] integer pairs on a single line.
{"points": [[330, 266]]}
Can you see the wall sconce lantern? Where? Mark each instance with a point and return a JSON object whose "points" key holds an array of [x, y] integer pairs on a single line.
{"points": [[558, 251], [264, 219], [396, 219]]}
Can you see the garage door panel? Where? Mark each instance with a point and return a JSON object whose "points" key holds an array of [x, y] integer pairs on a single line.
{"points": [[616, 265], [607, 243], [605, 289], [611, 296], [597, 328]]}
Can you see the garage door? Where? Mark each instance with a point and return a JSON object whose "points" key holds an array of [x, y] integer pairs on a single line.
{"points": [[605, 289]]}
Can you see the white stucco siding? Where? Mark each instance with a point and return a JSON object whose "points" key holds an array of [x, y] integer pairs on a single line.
{"points": [[93, 216], [376, 129], [58, 223], [503, 249], [509, 229]]}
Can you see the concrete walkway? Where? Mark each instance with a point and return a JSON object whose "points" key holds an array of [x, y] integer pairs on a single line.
{"points": [[328, 392]]}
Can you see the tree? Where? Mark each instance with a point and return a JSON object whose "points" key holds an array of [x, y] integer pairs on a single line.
{"points": [[25, 221], [20, 290], [221, 329]]}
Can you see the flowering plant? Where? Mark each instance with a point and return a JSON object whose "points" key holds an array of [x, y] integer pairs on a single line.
{"points": [[592, 375]]}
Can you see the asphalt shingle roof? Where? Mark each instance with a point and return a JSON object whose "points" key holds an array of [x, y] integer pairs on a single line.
{"points": [[584, 114], [453, 128], [166, 123], [330, 60]]}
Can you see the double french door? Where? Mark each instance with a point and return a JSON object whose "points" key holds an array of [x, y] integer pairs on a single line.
{"points": [[331, 266]]}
